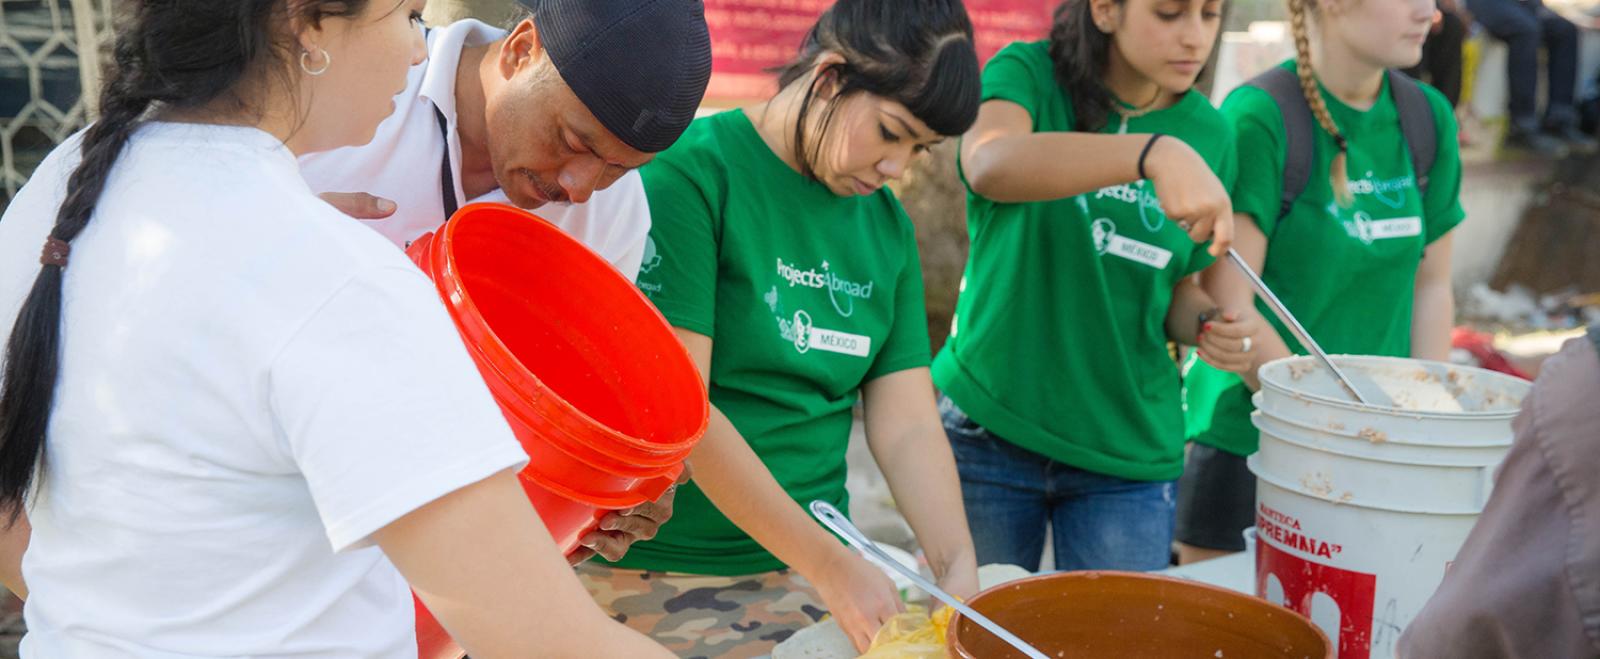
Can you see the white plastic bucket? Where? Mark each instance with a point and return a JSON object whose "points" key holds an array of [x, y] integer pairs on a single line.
{"points": [[1359, 509]]}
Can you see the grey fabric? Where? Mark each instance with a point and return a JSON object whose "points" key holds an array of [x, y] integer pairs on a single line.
{"points": [[1527, 582], [1299, 128], [1216, 499], [1284, 88], [1416, 124]]}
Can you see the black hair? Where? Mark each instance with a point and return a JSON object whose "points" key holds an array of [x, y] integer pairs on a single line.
{"points": [[169, 55], [1081, 53], [919, 53]]}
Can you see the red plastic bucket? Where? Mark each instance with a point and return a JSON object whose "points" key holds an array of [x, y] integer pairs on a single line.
{"points": [[591, 378]]}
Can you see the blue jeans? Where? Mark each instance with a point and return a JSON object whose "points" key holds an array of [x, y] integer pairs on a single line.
{"points": [[1524, 26], [1100, 522]]}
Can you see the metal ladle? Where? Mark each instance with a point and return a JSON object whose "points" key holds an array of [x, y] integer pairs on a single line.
{"points": [[1288, 319], [834, 520]]}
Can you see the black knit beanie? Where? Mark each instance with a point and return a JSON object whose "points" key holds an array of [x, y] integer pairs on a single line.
{"points": [[641, 66]]}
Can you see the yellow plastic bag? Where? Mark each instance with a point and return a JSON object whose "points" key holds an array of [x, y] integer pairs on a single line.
{"points": [[912, 635]]}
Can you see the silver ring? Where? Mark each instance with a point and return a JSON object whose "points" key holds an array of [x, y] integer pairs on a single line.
{"points": [[1247, 345]]}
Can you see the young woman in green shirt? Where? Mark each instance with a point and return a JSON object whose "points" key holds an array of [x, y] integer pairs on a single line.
{"points": [[791, 274], [1096, 174], [1366, 270]]}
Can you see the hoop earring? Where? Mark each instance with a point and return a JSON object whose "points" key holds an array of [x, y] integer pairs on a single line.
{"points": [[327, 61]]}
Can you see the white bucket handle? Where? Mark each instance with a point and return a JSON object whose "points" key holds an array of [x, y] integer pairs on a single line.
{"points": [[1487, 489]]}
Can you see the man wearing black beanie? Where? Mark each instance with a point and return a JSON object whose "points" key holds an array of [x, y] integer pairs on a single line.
{"points": [[570, 100]]}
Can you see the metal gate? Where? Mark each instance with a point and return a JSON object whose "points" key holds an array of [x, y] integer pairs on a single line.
{"points": [[47, 84]]}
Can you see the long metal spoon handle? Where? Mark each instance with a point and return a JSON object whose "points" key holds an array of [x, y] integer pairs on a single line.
{"points": [[1288, 319], [833, 519]]}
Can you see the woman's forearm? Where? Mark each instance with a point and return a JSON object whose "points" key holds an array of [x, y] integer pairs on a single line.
{"points": [[908, 442], [1049, 166], [1432, 317], [1433, 304], [920, 470], [744, 490]]}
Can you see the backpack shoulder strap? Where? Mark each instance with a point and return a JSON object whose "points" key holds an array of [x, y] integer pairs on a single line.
{"points": [[1416, 124], [1283, 86]]}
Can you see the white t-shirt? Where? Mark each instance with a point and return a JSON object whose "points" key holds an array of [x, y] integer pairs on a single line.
{"points": [[402, 164], [251, 385]]}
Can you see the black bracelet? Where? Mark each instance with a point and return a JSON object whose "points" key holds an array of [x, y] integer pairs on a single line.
{"points": [[1146, 152]]}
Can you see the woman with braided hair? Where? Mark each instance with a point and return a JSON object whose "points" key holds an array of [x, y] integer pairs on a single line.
{"points": [[234, 423], [1361, 254], [1097, 182]]}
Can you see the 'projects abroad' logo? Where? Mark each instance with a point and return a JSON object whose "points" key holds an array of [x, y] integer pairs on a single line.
{"points": [[800, 330], [1135, 194], [652, 258], [837, 287], [1389, 192]]}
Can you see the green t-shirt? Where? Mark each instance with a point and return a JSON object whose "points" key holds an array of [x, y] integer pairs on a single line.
{"points": [[1059, 342], [807, 296], [1347, 274]]}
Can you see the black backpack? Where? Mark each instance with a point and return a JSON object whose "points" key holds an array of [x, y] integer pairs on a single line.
{"points": [[1299, 128]]}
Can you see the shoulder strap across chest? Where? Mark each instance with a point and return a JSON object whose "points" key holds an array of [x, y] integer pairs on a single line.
{"points": [[1299, 129]]}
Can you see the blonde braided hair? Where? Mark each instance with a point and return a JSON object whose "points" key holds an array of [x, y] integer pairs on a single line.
{"points": [[1338, 177]]}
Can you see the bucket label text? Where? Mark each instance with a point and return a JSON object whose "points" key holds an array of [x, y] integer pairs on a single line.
{"points": [[1286, 531]]}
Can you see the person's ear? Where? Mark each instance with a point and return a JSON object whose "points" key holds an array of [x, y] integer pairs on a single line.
{"points": [[825, 74], [520, 50], [308, 36], [1107, 15]]}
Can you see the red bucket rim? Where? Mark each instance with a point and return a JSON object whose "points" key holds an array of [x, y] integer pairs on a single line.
{"points": [[444, 239]]}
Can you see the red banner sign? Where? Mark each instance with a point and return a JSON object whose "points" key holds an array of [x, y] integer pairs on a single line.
{"points": [[750, 36]]}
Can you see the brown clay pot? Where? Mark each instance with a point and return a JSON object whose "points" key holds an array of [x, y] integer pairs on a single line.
{"points": [[1116, 615]]}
